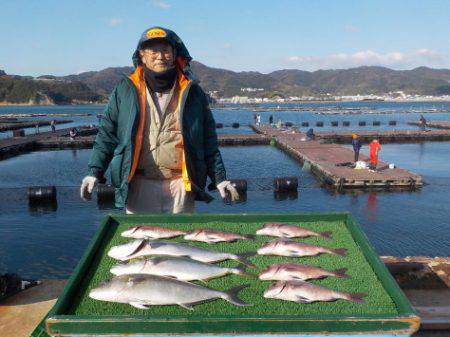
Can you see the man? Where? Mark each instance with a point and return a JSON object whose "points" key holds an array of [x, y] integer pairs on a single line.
{"points": [[356, 143], [310, 134], [52, 125], [374, 149], [159, 134], [422, 122]]}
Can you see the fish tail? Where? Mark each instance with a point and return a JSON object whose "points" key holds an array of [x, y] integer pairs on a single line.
{"points": [[358, 297], [243, 258], [341, 273], [231, 296], [326, 234], [249, 236], [240, 270], [340, 251]]}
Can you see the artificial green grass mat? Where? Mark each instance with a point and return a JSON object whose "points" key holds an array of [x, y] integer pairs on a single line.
{"points": [[363, 278]]}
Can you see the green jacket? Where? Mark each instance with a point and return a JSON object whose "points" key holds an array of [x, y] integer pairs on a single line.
{"points": [[114, 144]]}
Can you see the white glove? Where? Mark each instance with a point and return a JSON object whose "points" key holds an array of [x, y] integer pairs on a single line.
{"points": [[87, 186], [225, 186]]}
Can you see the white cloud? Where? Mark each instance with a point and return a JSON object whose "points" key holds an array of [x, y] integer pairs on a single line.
{"points": [[396, 60], [161, 4], [115, 22]]}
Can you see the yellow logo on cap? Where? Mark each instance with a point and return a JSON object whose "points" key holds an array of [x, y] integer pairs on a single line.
{"points": [[156, 32]]}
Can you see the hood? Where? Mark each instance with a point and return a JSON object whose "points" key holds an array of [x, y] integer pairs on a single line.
{"points": [[160, 33]]}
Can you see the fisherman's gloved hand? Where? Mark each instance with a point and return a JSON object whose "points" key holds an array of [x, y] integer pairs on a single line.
{"points": [[225, 186], [87, 186]]}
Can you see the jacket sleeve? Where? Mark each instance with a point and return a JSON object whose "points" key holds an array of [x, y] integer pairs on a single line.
{"points": [[213, 158], [106, 140]]}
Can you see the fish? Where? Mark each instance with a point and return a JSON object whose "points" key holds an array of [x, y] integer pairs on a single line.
{"points": [[305, 292], [142, 291], [139, 248], [181, 268], [286, 247], [284, 230], [213, 236], [292, 271], [151, 232]]}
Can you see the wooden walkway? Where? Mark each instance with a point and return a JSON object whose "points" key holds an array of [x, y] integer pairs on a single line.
{"points": [[328, 163], [10, 147], [394, 136], [434, 124], [7, 125], [60, 140]]}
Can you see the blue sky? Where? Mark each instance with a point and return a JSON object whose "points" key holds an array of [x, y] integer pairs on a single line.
{"points": [[66, 37]]}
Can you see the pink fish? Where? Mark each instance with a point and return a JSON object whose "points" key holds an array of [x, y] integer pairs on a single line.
{"points": [[304, 292], [151, 232], [284, 230], [214, 236], [292, 271], [286, 247]]}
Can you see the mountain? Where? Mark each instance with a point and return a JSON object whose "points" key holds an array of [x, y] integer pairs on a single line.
{"points": [[294, 82], [95, 86], [44, 90]]}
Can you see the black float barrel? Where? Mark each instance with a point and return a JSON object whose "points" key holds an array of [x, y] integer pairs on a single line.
{"points": [[38, 194], [334, 123], [288, 124], [105, 193], [305, 124], [392, 123], [219, 125], [235, 125], [239, 184], [376, 123], [284, 184], [319, 124], [346, 123], [362, 123]]}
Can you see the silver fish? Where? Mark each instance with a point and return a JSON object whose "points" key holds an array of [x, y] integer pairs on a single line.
{"points": [[181, 268], [151, 232], [285, 247], [213, 236], [138, 248], [142, 291], [284, 230], [304, 292], [292, 271]]}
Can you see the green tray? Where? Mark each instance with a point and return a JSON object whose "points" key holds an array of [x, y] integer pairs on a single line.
{"points": [[71, 316]]}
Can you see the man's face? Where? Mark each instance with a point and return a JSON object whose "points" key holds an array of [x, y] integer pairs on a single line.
{"points": [[157, 56]]}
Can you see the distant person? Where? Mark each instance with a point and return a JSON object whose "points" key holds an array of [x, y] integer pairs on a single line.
{"points": [[375, 148], [36, 128], [258, 119], [254, 119], [270, 120], [422, 122], [52, 125], [73, 133], [310, 134], [158, 162], [356, 143]]}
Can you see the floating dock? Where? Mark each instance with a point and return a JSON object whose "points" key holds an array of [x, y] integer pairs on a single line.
{"points": [[60, 140], [434, 124], [394, 136], [14, 146], [328, 163], [9, 125]]}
